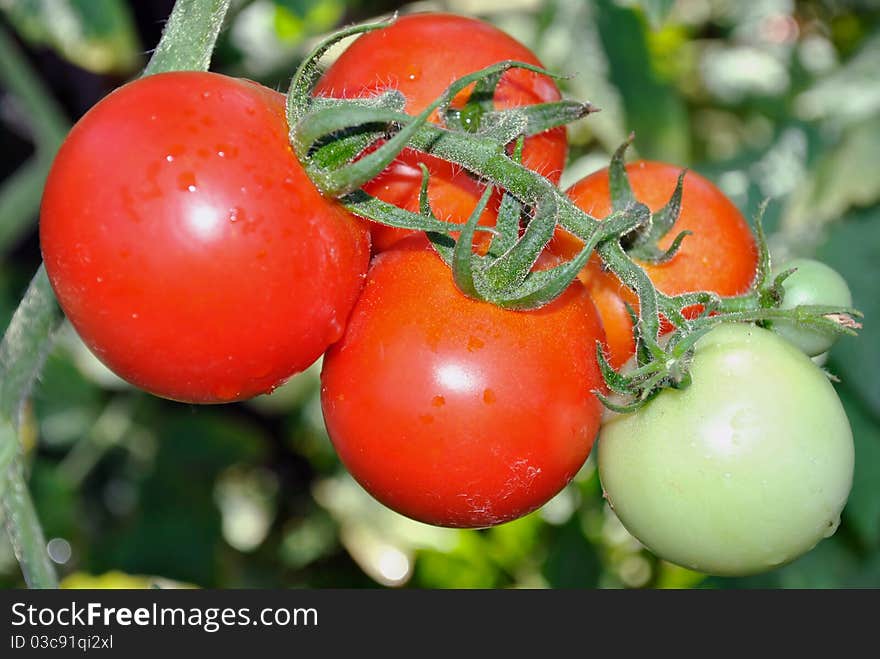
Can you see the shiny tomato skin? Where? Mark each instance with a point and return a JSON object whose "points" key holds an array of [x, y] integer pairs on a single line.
{"points": [[456, 412], [741, 472], [421, 54], [186, 244], [720, 255]]}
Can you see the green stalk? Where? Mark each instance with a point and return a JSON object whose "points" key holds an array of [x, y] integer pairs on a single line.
{"points": [[188, 39], [470, 150], [25, 532], [505, 279], [22, 352], [187, 44]]}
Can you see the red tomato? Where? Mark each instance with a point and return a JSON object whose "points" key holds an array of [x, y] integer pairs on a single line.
{"points": [[421, 54], [719, 256], [456, 412], [187, 245]]}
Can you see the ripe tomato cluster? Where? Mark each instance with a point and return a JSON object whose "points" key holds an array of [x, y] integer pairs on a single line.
{"points": [[200, 262]]}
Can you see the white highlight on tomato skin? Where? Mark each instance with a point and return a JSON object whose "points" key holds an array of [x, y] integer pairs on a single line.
{"points": [[457, 378], [203, 223]]}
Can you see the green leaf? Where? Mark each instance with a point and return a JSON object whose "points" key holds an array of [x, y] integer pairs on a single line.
{"points": [[656, 10], [45, 117], [20, 196], [54, 500], [463, 257], [21, 191], [862, 511], [97, 35], [512, 267], [372, 208], [572, 561], [661, 222], [845, 176], [618, 179], [653, 108], [507, 225], [544, 116], [857, 81], [853, 249]]}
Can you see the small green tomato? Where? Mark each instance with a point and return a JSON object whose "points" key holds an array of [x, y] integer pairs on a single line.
{"points": [[744, 470], [812, 283]]}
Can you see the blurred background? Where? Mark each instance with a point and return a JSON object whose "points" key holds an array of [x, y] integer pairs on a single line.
{"points": [[770, 99]]}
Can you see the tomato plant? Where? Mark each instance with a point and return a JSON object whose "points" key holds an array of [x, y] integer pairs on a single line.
{"points": [[188, 247], [421, 54], [719, 255], [453, 411], [744, 470], [197, 231], [813, 282]]}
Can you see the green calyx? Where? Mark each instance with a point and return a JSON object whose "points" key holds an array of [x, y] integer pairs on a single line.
{"points": [[344, 143], [643, 242]]}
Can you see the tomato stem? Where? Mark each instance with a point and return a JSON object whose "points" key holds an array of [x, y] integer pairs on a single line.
{"points": [[189, 36], [187, 44], [22, 352], [332, 136]]}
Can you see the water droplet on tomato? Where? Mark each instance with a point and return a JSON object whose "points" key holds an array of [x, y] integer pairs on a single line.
{"points": [[475, 344], [236, 214], [226, 151], [336, 329], [438, 401], [489, 396], [135, 316], [187, 181]]}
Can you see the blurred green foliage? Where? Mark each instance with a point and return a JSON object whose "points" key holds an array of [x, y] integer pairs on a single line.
{"points": [[771, 99], [98, 35]]}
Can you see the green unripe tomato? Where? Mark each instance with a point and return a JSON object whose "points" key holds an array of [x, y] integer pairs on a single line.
{"points": [[745, 470], [813, 283]]}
